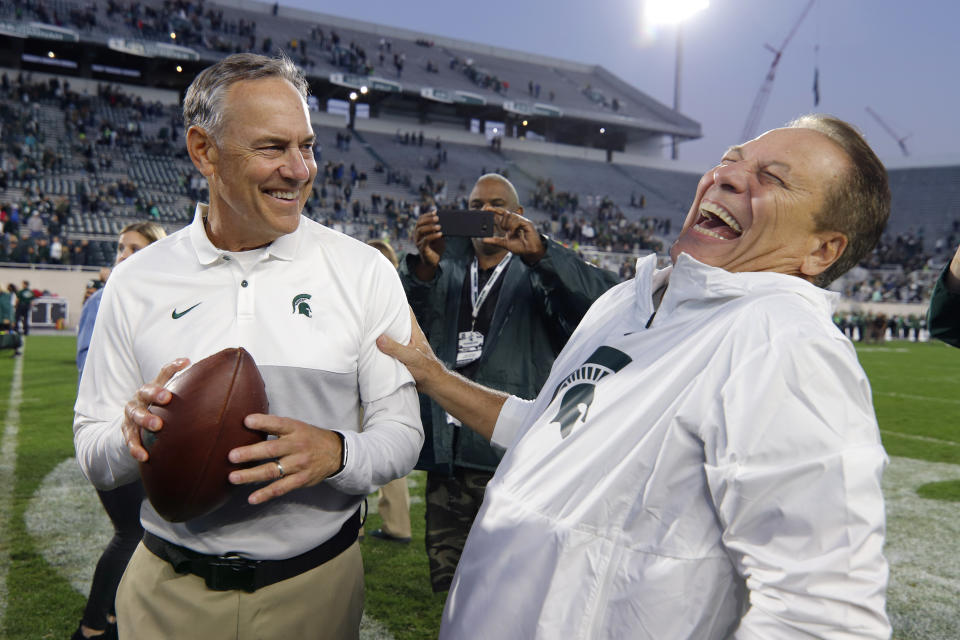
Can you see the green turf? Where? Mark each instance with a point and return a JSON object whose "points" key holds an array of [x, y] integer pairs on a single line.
{"points": [[946, 490], [915, 397], [398, 577], [42, 604]]}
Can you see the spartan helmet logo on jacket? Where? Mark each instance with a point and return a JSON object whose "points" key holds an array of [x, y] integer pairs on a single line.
{"points": [[578, 387]]}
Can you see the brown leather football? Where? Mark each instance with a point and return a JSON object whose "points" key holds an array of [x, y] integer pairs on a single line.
{"points": [[185, 476]]}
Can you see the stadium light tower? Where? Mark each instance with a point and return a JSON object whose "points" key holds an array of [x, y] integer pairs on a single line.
{"points": [[673, 12]]}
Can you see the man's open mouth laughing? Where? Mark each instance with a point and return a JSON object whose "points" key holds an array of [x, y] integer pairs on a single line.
{"points": [[716, 222]]}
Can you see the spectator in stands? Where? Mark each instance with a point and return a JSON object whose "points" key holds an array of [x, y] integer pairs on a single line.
{"points": [[497, 314], [229, 278], [25, 297], [123, 503], [13, 223], [944, 318], [35, 224], [56, 250], [80, 253], [704, 460]]}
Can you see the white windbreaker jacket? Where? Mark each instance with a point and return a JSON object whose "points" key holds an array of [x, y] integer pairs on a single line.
{"points": [[714, 475]]}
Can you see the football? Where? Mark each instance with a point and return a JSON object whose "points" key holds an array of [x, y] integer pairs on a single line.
{"points": [[185, 475]]}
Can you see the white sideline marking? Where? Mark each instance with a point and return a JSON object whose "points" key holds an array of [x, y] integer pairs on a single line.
{"points": [[908, 396], [911, 436], [70, 529], [8, 467], [921, 547]]}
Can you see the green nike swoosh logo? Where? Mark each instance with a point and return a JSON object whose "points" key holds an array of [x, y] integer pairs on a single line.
{"points": [[176, 315]]}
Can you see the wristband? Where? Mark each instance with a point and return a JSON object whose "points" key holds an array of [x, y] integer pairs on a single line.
{"points": [[343, 453]]}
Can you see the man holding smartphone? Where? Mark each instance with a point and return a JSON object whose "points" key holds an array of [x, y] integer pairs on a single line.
{"points": [[497, 310]]}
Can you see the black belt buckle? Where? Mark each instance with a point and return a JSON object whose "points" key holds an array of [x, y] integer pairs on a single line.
{"points": [[226, 573]]}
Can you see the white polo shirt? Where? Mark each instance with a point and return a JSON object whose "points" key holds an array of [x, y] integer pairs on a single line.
{"points": [[309, 311]]}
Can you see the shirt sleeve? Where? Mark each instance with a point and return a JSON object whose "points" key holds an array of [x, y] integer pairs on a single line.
{"points": [[388, 446], [794, 473], [514, 416], [110, 378], [392, 434]]}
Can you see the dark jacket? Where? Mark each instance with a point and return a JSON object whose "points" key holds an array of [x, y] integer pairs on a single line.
{"points": [[537, 310], [7, 307], [944, 315]]}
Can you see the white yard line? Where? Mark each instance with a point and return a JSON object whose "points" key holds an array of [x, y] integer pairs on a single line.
{"points": [[921, 543], [921, 547], [909, 396], [911, 436], [70, 528], [8, 467]]}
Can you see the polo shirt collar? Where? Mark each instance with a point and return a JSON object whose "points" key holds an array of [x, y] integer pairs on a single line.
{"points": [[283, 248]]}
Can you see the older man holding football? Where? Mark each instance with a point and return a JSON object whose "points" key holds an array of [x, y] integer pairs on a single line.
{"points": [[280, 559], [704, 460]]}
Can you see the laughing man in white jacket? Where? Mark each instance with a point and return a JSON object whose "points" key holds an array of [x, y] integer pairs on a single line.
{"points": [[704, 460]]}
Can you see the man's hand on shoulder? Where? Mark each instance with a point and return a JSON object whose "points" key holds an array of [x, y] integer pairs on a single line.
{"points": [[417, 355], [474, 405], [520, 236]]}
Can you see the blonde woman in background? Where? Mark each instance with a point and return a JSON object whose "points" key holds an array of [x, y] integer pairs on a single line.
{"points": [[123, 503]]}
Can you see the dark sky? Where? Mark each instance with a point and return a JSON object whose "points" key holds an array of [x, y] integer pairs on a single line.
{"points": [[898, 57]]}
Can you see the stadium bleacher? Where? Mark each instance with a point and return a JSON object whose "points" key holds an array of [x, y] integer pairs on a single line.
{"points": [[116, 156]]}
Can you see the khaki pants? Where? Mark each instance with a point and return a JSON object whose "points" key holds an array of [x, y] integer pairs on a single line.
{"points": [[325, 603], [394, 508]]}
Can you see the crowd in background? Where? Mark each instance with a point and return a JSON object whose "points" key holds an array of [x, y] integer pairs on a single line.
{"points": [[871, 327], [34, 223]]}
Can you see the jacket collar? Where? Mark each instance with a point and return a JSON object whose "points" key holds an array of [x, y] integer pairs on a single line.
{"points": [[693, 281]]}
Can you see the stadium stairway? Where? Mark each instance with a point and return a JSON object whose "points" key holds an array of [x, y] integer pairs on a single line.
{"points": [[373, 152], [648, 188]]}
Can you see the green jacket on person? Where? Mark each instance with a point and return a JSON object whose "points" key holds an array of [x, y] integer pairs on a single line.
{"points": [[537, 310], [944, 314]]}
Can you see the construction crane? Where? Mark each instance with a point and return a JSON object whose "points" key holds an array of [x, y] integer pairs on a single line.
{"points": [[901, 140], [760, 102]]}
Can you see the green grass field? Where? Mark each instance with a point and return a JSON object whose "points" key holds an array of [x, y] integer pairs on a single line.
{"points": [[53, 527]]}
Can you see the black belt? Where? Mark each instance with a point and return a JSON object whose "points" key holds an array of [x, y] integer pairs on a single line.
{"points": [[228, 572]]}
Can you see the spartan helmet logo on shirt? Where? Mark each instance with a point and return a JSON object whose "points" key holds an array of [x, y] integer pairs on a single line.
{"points": [[578, 387], [301, 306]]}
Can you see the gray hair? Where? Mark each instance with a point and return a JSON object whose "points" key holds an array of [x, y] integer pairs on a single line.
{"points": [[858, 204], [203, 103]]}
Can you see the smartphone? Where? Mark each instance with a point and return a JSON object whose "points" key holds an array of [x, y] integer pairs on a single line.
{"points": [[471, 223]]}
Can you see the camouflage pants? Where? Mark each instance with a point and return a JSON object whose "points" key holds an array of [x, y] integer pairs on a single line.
{"points": [[452, 504]]}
